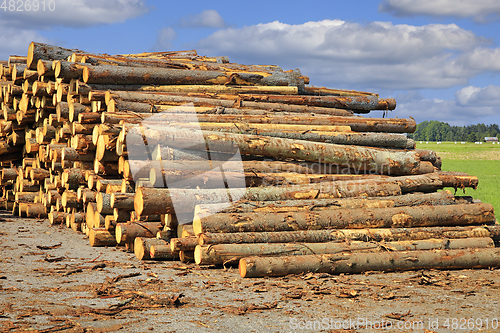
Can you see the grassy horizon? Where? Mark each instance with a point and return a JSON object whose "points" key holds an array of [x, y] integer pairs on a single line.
{"points": [[480, 160]]}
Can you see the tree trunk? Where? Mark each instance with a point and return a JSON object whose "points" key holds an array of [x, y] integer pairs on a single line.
{"points": [[123, 201], [366, 235], [40, 51], [105, 74], [416, 216], [161, 201], [373, 160], [218, 254], [363, 262], [142, 246], [127, 232], [432, 199], [183, 244], [101, 237], [163, 252]]}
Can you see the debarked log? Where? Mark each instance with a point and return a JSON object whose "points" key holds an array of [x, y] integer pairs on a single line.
{"points": [[416, 216], [149, 201], [365, 235], [362, 262], [218, 254]]}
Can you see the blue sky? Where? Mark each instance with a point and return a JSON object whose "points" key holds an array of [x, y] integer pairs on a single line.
{"points": [[440, 59]]}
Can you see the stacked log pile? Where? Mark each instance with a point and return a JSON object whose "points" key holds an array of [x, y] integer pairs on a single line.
{"points": [[179, 156]]}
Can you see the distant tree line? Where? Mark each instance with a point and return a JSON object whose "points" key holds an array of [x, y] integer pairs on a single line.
{"points": [[439, 131]]}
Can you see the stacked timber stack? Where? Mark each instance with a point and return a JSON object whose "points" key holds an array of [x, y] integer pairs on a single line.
{"points": [[176, 155]]}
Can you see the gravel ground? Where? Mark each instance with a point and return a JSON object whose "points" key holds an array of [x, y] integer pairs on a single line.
{"points": [[51, 280]]}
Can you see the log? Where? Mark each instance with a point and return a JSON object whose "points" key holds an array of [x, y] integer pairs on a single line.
{"points": [[163, 252], [105, 74], [101, 237], [417, 216], [103, 201], [122, 201], [370, 160], [366, 235], [362, 262], [58, 217], [221, 254], [126, 232], [433, 199], [142, 247], [160, 201], [357, 124], [76, 221], [186, 256], [35, 210], [183, 244], [39, 51]]}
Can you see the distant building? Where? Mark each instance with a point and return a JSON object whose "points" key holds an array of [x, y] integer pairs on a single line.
{"points": [[491, 139]]}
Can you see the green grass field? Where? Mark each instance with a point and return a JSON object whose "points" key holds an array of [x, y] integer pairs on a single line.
{"points": [[482, 161]]}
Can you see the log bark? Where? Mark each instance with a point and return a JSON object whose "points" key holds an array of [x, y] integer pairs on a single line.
{"points": [[40, 51], [362, 262], [365, 235], [163, 252], [432, 199], [142, 246], [219, 254], [160, 201], [105, 74], [126, 232], [371, 160], [357, 124], [417, 216], [123, 201], [35, 210], [103, 201]]}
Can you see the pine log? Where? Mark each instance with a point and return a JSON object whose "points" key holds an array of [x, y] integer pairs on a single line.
{"points": [[362, 262], [76, 221], [103, 201], [35, 210], [438, 198], [105, 74], [374, 160], [183, 244], [186, 256], [416, 216], [126, 232], [142, 247], [101, 237], [366, 235], [163, 252], [58, 217], [219, 254], [161, 201], [122, 201], [357, 124], [39, 51]]}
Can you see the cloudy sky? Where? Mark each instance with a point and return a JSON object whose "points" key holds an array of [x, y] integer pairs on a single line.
{"points": [[440, 59]]}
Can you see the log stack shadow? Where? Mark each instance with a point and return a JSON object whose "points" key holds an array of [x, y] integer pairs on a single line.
{"points": [[176, 156]]}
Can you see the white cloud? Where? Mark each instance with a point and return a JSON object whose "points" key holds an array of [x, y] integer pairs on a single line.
{"points": [[209, 18], [350, 55], [475, 96], [164, 39], [74, 13], [15, 41], [478, 10], [472, 105]]}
